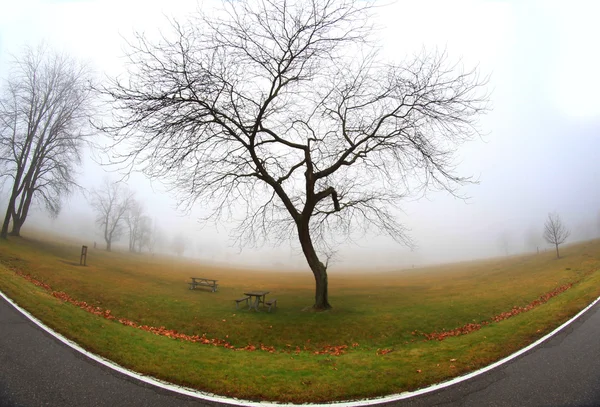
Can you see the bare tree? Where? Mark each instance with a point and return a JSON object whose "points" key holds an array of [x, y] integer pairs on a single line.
{"points": [[136, 224], [144, 238], [45, 108], [286, 109], [111, 203], [555, 232], [155, 237]]}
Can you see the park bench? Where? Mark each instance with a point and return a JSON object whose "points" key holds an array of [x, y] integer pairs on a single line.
{"points": [[271, 303], [203, 282], [237, 302]]}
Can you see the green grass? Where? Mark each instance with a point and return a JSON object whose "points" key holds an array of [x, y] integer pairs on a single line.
{"points": [[375, 310]]}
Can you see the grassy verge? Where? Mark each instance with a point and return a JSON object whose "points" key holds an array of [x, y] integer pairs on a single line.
{"points": [[385, 314]]}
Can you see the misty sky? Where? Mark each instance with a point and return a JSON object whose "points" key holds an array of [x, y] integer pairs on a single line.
{"points": [[539, 153]]}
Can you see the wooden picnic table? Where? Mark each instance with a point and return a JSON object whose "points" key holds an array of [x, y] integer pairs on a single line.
{"points": [[259, 298], [203, 282]]}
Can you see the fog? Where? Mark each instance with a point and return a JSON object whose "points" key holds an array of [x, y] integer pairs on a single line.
{"points": [[539, 152]]}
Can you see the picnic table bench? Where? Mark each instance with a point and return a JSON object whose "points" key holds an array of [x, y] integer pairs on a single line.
{"points": [[253, 299], [203, 282]]}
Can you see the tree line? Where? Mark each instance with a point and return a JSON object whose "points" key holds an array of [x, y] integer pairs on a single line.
{"points": [[119, 213]]}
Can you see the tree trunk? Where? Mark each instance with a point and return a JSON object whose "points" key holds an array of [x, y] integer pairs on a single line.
{"points": [[557, 255], [108, 242], [4, 233], [16, 229], [20, 216], [318, 268], [10, 210]]}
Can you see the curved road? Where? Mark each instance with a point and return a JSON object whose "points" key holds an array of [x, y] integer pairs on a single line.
{"points": [[38, 370]]}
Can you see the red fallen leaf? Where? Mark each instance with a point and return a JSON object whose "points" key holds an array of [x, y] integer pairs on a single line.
{"points": [[270, 349]]}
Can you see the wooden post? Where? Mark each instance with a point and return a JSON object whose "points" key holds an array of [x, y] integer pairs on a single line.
{"points": [[83, 258]]}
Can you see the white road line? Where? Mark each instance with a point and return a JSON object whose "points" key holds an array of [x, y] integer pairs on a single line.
{"points": [[236, 402]]}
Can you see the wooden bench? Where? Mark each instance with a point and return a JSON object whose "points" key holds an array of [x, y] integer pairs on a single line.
{"points": [[203, 282], [271, 303], [237, 302]]}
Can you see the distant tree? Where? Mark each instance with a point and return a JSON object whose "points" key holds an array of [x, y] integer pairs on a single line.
{"points": [[45, 108], [555, 231], [135, 220], [144, 232], [287, 109], [111, 203], [132, 217], [179, 244], [156, 237]]}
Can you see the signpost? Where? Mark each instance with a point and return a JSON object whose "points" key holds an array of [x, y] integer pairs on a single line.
{"points": [[83, 258]]}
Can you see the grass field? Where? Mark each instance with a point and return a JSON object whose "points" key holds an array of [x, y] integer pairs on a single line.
{"points": [[378, 326]]}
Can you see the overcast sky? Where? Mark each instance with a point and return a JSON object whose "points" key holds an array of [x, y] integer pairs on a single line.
{"points": [[539, 153]]}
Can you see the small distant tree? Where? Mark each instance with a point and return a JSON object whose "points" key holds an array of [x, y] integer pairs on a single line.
{"points": [[111, 203], [144, 233], [555, 231], [138, 225], [156, 238]]}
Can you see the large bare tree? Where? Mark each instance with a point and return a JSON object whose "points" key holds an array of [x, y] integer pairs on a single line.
{"points": [[111, 202], [279, 114], [555, 231], [45, 108]]}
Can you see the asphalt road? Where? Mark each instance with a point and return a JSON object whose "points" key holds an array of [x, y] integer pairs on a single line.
{"points": [[38, 370]]}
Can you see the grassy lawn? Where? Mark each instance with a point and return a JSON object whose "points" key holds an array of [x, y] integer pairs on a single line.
{"points": [[381, 317]]}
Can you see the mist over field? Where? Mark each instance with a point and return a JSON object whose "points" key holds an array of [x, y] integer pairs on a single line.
{"points": [[538, 152]]}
